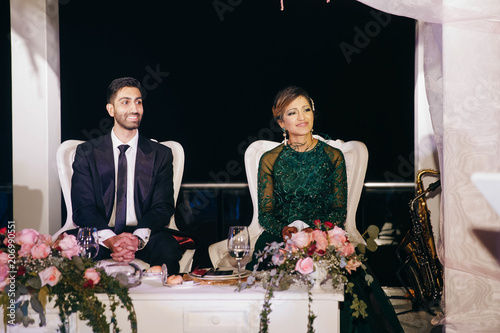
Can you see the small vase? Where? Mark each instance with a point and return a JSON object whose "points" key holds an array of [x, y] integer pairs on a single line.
{"points": [[319, 275], [129, 274]]}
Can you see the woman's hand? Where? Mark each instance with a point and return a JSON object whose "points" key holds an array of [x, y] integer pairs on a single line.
{"points": [[287, 232]]}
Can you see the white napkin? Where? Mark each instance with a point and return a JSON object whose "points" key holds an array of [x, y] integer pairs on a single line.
{"points": [[300, 225], [106, 262]]}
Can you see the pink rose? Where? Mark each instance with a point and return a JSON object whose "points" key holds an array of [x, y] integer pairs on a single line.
{"points": [[40, 251], [336, 236], [352, 265], [3, 284], [68, 246], [45, 239], [4, 272], [27, 236], [305, 266], [49, 276], [10, 237], [302, 239], [92, 275], [4, 258], [25, 250], [321, 240], [347, 249]]}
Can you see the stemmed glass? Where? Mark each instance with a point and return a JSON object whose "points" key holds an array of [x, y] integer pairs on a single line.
{"points": [[88, 240], [238, 245]]}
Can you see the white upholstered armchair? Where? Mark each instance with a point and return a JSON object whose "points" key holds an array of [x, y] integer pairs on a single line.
{"points": [[65, 156], [356, 159]]}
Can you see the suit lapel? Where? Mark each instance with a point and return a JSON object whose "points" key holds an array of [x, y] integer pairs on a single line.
{"points": [[106, 168], [144, 166]]}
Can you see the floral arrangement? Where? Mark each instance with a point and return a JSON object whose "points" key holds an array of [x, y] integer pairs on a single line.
{"points": [[310, 256], [34, 271]]}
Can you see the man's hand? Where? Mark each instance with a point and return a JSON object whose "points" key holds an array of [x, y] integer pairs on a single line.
{"points": [[122, 246], [287, 232]]}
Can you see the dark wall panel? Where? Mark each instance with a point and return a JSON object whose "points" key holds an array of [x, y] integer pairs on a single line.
{"points": [[6, 119], [212, 68]]}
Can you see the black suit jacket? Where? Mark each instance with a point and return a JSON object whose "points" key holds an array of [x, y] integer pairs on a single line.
{"points": [[93, 184]]}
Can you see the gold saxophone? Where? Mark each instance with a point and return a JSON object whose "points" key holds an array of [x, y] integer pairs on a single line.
{"points": [[417, 252]]}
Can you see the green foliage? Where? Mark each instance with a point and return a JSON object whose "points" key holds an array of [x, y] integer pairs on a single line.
{"points": [[71, 293], [373, 232]]}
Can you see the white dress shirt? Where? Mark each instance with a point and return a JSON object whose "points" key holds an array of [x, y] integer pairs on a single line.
{"points": [[130, 154]]}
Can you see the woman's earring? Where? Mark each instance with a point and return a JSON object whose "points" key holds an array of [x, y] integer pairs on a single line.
{"points": [[284, 134]]}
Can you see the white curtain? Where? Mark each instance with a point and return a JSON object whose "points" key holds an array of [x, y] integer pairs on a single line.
{"points": [[462, 76]]}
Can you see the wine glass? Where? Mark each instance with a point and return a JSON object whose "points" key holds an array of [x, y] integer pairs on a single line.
{"points": [[238, 245], [164, 274], [88, 240]]}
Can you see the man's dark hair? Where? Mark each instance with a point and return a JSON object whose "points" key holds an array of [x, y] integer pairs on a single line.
{"points": [[120, 83]]}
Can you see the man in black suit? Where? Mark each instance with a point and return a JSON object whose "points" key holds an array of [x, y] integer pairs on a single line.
{"points": [[130, 216]]}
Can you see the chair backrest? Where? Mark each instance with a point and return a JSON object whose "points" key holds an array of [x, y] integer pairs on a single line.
{"points": [[356, 158], [66, 154], [178, 165]]}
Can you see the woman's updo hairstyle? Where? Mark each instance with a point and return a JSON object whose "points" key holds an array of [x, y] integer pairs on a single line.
{"points": [[287, 96]]}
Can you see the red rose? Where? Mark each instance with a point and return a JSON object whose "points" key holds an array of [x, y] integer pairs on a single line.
{"points": [[21, 270], [317, 223], [321, 252], [328, 224], [311, 249], [88, 284]]}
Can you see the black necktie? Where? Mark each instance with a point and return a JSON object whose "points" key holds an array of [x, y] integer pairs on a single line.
{"points": [[121, 191]]}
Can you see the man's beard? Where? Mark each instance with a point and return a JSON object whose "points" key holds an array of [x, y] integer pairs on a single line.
{"points": [[123, 123]]}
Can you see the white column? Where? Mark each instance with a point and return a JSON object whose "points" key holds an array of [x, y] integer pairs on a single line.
{"points": [[36, 120]]}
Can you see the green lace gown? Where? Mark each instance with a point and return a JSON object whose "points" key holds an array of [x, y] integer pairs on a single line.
{"points": [[308, 186]]}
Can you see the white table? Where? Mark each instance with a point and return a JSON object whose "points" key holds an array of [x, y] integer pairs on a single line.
{"points": [[205, 309]]}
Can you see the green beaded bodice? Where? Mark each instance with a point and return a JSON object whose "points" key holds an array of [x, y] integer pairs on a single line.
{"points": [[301, 186]]}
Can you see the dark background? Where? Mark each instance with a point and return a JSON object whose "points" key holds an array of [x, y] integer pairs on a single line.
{"points": [[224, 68], [6, 113], [211, 70], [219, 70]]}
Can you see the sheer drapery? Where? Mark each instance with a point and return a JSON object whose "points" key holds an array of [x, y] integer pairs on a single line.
{"points": [[462, 76]]}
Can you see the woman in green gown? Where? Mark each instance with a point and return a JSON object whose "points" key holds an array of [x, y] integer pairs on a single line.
{"points": [[305, 179]]}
